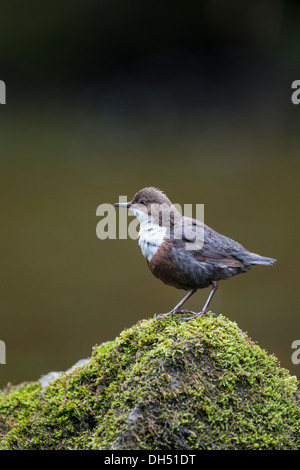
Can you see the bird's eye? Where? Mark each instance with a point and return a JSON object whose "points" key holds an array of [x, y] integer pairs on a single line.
{"points": [[143, 202]]}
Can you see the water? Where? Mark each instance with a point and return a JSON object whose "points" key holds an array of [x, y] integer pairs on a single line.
{"points": [[62, 290]]}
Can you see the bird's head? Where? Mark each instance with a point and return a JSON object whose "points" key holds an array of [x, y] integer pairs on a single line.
{"points": [[149, 204]]}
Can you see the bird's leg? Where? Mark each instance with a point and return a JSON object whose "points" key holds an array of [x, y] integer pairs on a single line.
{"points": [[215, 285], [176, 309]]}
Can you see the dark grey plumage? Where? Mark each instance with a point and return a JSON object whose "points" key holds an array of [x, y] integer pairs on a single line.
{"points": [[184, 252], [219, 258]]}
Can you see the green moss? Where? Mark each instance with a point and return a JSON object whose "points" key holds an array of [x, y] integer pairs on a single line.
{"points": [[162, 384]]}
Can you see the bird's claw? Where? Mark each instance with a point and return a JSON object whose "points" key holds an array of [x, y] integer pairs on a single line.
{"points": [[172, 312], [194, 314], [162, 315], [200, 314]]}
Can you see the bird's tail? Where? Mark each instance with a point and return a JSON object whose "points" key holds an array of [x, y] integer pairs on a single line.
{"points": [[257, 259]]}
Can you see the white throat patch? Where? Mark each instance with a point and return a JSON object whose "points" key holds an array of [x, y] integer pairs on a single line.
{"points": [[151, 236]]}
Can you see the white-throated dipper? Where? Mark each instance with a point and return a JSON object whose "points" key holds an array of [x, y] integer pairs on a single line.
{"points": [[184, 252]]}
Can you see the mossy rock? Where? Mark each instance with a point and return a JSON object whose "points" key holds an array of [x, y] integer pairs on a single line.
{"points": [[164, 384]]}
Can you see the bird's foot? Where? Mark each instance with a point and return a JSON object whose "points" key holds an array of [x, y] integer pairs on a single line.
{"points": [[172, 312], [162, 315], [187, 311], [197, 315], [194, 314]]}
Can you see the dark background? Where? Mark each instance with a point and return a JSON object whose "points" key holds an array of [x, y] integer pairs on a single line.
{"points": [[104, 98]]}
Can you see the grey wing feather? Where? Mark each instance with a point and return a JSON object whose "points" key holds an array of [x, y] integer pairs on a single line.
{"points": [[206, 245]]}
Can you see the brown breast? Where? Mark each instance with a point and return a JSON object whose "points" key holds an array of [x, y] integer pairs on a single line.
{"points": [[163, 265]]}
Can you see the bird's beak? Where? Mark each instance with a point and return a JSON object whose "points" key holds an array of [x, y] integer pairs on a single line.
{"points": [[122, 204]]}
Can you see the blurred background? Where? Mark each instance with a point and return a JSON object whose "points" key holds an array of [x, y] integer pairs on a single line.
{"points": [[104, 98]]}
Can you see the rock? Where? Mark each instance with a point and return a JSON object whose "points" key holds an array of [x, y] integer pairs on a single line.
{"points": [[46, 379], [161, 385]]}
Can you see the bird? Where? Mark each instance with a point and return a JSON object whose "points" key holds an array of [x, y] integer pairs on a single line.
{"points": [[183, 252]]}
